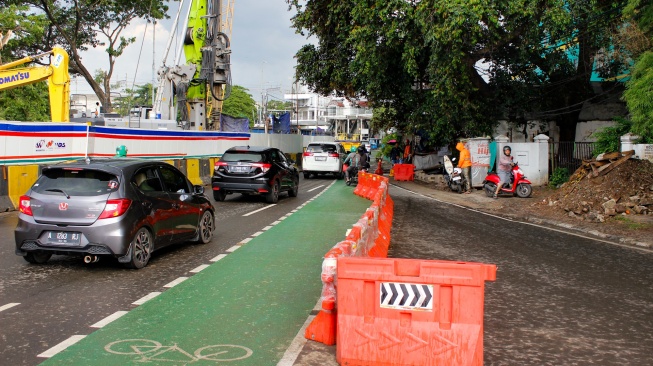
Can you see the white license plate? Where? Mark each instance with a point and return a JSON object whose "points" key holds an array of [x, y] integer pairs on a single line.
{"points": [[239, 169], [320, 158], [64, 237]]}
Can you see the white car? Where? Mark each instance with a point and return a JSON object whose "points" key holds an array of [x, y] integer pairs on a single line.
{"points": [[323, 158]]}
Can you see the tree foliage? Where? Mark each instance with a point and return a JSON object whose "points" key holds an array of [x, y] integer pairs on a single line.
{"points": [[29, 103], [240, 104], [454, 68], [140, 96], [83, 24]]}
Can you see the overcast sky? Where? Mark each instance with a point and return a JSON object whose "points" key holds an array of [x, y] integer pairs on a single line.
{"points": [[262, 44]]}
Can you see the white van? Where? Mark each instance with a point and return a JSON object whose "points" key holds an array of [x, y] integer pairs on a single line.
{"points": [[323, 158]]}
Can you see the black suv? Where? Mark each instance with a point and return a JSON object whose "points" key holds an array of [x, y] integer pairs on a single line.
{"points": [[254, 170]]}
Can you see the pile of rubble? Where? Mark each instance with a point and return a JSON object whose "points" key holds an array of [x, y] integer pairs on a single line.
{"points": [[603, 188]]}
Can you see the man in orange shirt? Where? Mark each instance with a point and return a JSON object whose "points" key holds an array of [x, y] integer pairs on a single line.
{"points": [[407, 152], [465, 163]]}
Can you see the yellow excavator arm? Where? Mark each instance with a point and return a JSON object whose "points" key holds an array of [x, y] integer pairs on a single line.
{"points": [[56, 74]]}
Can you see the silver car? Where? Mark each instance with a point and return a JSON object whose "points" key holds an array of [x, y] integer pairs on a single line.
{"points": [[121, 208]]}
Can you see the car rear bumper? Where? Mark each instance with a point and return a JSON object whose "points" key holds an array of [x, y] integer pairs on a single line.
{"points": [[321, 168], [238, 187], [103, 238]]}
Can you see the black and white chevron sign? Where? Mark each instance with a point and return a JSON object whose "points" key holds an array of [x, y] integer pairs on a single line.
{"points": [[406, 296]]}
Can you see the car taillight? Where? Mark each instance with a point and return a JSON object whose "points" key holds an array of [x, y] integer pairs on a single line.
{"points": [[307, 153], [333, 155], [25, 206], [264, 166], [115, 208]]}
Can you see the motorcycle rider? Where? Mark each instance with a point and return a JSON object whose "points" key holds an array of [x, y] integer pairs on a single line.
{"points": [[465, 163], [504, 169], [357, 159]]}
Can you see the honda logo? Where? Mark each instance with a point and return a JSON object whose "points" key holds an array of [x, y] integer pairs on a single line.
{"points": [[63, 206]]}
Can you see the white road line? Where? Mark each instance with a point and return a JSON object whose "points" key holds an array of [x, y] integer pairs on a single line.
{"points": [[295, 348], [9, 306], [318, 187], [175, 282], [276, 222], [233, 249], [220, 256], [267, 228], [61, 346], [259, 210], [199, 268], [109, 319], [257, 234], [244, 241], [145, 298]]}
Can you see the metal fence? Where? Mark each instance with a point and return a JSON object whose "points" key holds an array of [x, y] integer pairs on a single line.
{"points": [[569, 155]]}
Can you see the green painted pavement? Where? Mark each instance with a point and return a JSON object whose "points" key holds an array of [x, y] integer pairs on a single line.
{"points": [[257, 297]]}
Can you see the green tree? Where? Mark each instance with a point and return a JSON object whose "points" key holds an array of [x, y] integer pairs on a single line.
{"points": [[240, 104], [639, 92], [419, 63], [279, 105], [82, 24], [29, 103], [140, 96]]}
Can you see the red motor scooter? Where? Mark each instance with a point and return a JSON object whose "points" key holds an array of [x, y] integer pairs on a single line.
{"points": [[518, 184]]}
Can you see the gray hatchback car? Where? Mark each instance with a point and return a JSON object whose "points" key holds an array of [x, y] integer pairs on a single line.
{"points": [[122, 208]]}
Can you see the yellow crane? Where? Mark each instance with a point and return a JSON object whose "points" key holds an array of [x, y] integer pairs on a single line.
{"points": [[56, 73]]}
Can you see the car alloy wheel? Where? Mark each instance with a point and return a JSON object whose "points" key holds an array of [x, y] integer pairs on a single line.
{"points": [[141, 249], [205, 228], [295, 189], [273, 195]]}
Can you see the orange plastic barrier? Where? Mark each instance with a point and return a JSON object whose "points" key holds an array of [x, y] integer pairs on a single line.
{"points": [[404, 171], [410, 311]]}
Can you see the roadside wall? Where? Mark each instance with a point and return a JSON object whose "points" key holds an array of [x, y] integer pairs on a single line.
{"points": [[533, 157], [25, 147]]}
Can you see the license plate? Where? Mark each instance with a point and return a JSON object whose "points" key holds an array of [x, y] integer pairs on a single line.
{"points": [[240, 169], [320, 158], [64, 237], [456, 178]]}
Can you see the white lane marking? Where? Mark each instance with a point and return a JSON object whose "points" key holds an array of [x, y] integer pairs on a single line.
{"points": [[267, 228], [276, 222], [61, 346], [199, 268], [529, 223], [281, 218], [244, 241], [220, 256], [109, 319], [9, 306], [318, 187], [295, 348], [257, 234], [145, 298], [175, 282], [259, 210], [233, 249]]}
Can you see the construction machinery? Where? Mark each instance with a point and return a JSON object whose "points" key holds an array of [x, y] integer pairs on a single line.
{"points": [[56, 73]]}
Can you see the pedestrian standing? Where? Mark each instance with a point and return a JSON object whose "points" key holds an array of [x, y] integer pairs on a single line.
{"points": [[465, 163]]}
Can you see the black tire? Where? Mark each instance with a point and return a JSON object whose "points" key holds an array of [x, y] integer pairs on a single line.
{"points": [[37, 257], [295, 189], [307, 175], [458, 188], [219, 196], [205, 228], [273, 195], [490, 188], [340, 176], [524, 190], [140, 249], [348, 182]]}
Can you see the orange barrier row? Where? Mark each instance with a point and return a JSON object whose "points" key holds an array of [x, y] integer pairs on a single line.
{"points": [[368, 237], [410, 312], [404, 171]]}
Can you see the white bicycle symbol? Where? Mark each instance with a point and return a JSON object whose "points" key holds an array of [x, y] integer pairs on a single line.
{"points": [[148, 350]]}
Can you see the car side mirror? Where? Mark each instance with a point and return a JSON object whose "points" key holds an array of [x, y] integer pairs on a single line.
{"points": [[197, 189]]}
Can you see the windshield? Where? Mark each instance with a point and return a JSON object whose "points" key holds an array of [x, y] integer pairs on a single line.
{"points": [[244, 156], [75, 182]]}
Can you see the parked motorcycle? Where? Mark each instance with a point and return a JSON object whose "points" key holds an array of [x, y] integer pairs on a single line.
{"points": [[519, 185], [453, 176]]}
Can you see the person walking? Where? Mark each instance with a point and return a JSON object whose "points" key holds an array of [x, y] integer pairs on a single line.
{"points": [[504, 169], [407, 152], [465, 163]]}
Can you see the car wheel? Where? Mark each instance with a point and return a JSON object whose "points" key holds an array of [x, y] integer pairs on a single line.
{"points": [[140, 249], [524, 190], [490, 188], [295, 189], [273, 195], [307, 175], [219, 196], [37, 257], [205, 228]]}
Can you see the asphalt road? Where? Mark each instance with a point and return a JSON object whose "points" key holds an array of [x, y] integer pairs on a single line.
{"points": [[66, 296]]}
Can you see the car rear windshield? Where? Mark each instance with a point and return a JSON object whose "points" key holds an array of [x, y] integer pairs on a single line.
{"points": [[242, 156], [316, 148], [76, 182]]}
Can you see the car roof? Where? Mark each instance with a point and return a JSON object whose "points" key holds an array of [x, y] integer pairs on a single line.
{"points": [[250, 148], [114, 165]]}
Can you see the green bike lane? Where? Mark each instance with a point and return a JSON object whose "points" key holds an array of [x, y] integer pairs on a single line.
{"points": [[244, 309]]}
